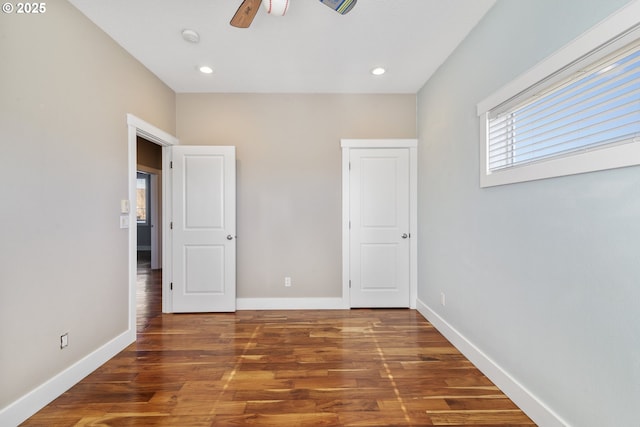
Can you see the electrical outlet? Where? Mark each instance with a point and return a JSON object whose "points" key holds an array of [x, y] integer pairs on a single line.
{"points": [[287, 282], [442, 299], [64, 340]]}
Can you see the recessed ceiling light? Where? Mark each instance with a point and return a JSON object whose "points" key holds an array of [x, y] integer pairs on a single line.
{"points": [[191, 36], [205, 69], [378, 71]]}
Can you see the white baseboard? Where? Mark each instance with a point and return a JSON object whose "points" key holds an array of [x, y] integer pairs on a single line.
{"points": [[530, 404], [291, 304], [38, 398]]}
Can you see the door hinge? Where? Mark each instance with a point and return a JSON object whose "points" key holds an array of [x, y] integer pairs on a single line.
{"points": [[171, 286], [349, 284], [171, 225], [171, 164], [349, 225]]}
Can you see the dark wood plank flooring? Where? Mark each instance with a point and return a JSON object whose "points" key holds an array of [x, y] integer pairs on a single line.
{"points": [[282, 368]]}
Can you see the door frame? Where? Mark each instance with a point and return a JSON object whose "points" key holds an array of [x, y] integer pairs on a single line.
{"points": [[412, 146], [138, 127]]}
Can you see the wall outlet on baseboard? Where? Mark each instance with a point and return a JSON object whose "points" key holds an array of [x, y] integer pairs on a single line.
{"points": [[287, 282], [442, 299]]}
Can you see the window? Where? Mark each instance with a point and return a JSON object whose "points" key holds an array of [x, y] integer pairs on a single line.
{"points": [[142, 198], [595, 107], [581, 117]]}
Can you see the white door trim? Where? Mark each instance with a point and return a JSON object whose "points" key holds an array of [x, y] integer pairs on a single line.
{"points": [[138, 127], [412, 145]]}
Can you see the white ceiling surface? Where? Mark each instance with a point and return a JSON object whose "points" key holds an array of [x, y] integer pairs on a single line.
{"points": [[312, 49]]}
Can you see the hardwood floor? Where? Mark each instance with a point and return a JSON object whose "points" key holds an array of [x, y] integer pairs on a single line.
{"points": [[282, 368]]}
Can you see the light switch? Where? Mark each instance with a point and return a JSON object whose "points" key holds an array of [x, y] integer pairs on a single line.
{"points": [[124, 206], [124, 221]]}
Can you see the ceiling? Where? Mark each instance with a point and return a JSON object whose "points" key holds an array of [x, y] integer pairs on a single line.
{"points": [[312, 49]]}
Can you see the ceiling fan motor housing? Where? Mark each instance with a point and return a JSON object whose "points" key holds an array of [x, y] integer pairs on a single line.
{"points": [[276, 7]]}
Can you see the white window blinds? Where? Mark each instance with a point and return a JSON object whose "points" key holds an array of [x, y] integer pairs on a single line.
{"points": [[597, 106]]}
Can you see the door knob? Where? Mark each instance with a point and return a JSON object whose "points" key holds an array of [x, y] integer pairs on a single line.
{"points": [[229, 237], [405, 235]]}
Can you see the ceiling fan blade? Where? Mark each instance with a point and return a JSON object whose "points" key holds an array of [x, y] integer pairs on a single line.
{"points": [[245, 13], [341, 6]]}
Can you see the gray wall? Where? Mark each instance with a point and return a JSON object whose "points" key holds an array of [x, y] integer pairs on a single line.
{"points": [[65, 89], [541, 276], [289, 207]]}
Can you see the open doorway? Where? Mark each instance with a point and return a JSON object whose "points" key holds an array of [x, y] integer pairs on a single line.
{"points": [[139, 129], [149, 202], [148, 231]]}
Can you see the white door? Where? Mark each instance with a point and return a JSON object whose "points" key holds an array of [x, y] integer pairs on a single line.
{"points": [[204, 229], [379, 233]]}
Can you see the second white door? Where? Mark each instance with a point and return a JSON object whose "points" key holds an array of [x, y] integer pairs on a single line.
{"points": [[379, 227]]}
